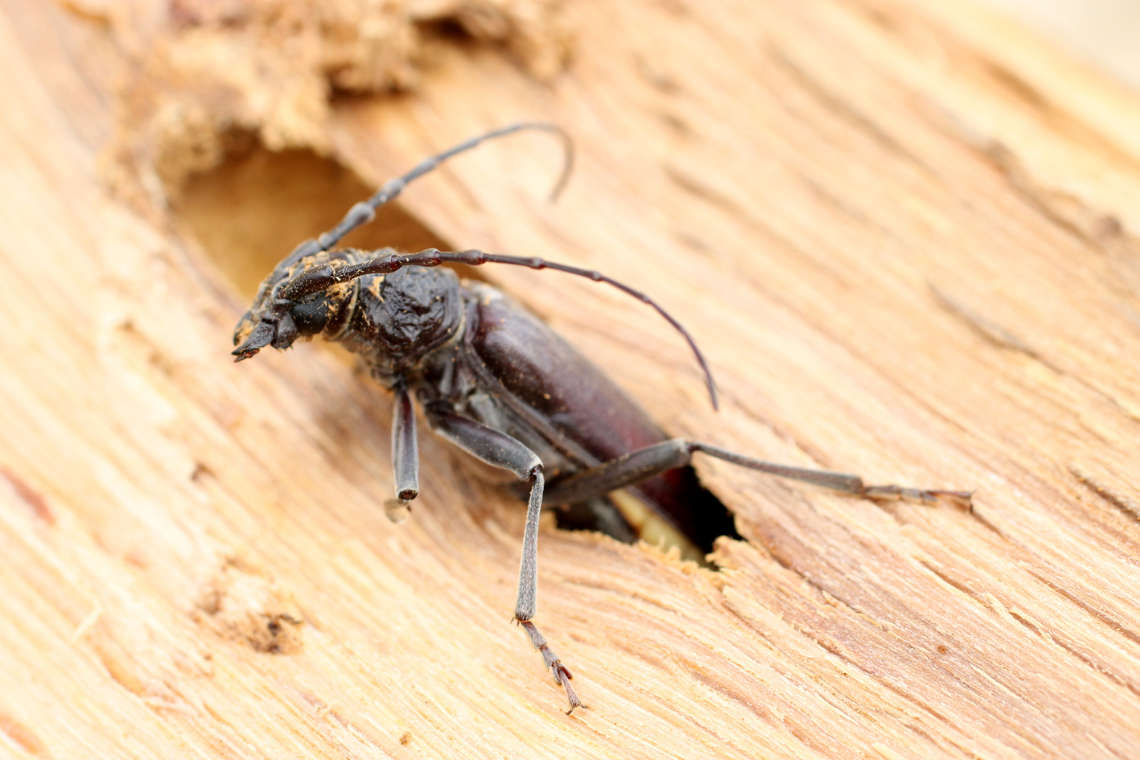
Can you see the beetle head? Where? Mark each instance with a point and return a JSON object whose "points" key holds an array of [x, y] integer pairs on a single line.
{"points": [[276, 321], [393, 320]]}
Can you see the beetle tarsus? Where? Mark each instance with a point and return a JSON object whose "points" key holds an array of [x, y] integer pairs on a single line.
{"points": [[961, 500], [560, 672]]}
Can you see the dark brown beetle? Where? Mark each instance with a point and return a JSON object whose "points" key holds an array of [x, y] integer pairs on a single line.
{"points": [[492, 378]]}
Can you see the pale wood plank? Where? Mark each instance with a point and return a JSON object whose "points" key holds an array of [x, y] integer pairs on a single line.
{"points": [[901, 232]]}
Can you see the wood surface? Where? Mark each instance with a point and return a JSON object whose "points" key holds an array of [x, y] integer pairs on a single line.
{"points": [[903, 233]]}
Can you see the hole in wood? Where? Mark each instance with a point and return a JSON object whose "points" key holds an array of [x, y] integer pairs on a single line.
{"points": [[253, 209]]}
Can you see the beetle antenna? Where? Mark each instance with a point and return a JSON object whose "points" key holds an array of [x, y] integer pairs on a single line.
{"points": [[364, 212], [322, 277]]}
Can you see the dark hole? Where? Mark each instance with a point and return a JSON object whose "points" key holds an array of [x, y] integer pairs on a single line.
{"points": [[679, 500], [258, 205], [701, 516], [447, 29]]}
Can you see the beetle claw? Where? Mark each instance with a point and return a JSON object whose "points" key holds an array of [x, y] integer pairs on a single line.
{"points": [[560, 672]]}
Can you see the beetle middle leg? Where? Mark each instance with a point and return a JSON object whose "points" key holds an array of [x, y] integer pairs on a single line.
{"points": [[637, 466], [501, 450]]}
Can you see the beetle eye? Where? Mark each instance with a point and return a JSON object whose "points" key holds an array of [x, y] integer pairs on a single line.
{"points": [[311, 315]]}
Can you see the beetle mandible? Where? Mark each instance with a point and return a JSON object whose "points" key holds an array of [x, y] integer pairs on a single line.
{"points": [[490, 377]]}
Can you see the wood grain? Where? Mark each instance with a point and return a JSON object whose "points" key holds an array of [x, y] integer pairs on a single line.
{"points": [[902, 232]]}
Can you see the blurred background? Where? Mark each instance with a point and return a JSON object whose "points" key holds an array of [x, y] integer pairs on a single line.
{"points": [[1103, 32]]}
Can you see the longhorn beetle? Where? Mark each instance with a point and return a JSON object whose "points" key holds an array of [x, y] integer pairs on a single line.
{"points": [[490, 377]]}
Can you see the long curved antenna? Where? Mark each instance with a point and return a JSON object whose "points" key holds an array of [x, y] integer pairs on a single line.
{"points": [[322, 277], [364, 212]]}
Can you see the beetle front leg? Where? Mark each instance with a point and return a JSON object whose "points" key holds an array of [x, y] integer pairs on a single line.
{"points": [[501, 450], [405, 457]]}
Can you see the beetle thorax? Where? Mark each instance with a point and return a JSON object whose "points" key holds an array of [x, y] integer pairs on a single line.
{"points": [[400, 318]]}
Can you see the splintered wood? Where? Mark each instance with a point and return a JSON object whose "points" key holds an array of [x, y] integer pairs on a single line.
{"points": [[903, 233]]}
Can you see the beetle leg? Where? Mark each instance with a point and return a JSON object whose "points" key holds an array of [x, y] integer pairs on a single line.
{"points": [[637, 466], [501, 450], [405, 457]]}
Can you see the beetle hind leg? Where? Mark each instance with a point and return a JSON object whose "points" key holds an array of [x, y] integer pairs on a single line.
{"points": [[842, 482], [637, 466]]}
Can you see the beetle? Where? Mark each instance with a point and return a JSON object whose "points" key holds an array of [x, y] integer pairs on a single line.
{"points": [[491, 378]]}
